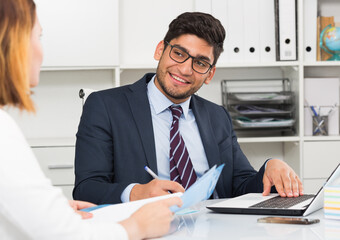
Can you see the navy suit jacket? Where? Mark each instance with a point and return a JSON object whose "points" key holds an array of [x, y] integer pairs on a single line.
{"points": [[115, 140]]}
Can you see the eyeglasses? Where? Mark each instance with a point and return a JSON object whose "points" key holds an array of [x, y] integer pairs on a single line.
{"points": [[180, 56]]}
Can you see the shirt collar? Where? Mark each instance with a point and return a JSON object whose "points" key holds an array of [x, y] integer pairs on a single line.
{"points": [[160, 102]]}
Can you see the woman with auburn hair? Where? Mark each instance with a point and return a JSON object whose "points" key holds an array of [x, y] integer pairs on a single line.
{"points": [[30, 207]]}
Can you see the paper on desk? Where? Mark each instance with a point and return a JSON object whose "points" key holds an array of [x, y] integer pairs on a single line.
{"points": [[121, 211], [201, 190]]}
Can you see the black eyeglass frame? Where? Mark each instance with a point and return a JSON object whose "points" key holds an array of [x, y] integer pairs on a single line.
{"points": [[189, 56]]}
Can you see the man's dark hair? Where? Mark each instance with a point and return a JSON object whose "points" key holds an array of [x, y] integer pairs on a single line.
{"points": [[200, 24]]}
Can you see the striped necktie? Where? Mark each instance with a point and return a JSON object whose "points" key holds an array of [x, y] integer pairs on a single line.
{"points": [[181, 169]]}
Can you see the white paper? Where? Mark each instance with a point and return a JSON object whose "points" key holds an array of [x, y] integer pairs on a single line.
{"points": [[121, 211]]}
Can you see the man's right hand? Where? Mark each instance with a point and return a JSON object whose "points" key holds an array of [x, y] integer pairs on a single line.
{"points": [[154, 188]]}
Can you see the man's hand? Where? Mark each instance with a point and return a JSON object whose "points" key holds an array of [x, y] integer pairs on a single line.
{"points": [[154, 188], [286, 182], [78, 205]]}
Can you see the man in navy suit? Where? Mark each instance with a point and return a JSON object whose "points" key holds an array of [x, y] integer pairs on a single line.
{"points": [[124, 129]]}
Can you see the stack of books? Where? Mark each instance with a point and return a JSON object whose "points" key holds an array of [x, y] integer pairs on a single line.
{"points": [[332, 202]]}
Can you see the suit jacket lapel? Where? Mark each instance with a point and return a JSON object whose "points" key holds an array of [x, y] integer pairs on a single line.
{"points": [[209, 142], [140, 108], [203, 122]]}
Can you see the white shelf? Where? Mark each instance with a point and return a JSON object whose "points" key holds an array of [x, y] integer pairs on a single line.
{"points": [[52, 142], [136, 67], [255, 65], [79, 68], [322, 63], [321, 138], [268, 139]]}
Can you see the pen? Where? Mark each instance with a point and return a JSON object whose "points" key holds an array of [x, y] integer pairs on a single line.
{"points": [[315, 114], [151, 172], [332, 109]]}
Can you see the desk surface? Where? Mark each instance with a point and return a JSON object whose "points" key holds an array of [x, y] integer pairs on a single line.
{"points": [[205, 224]]}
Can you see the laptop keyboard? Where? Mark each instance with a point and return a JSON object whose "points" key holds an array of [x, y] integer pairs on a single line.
{"points": [[282, 202]]}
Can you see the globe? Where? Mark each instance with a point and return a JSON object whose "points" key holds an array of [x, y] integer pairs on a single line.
{"points": [[330, 42]]}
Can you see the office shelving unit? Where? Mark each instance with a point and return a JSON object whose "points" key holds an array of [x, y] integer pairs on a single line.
{"points": [[51, 131]]}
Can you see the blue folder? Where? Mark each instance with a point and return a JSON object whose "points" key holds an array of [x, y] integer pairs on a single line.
{"points": [[201, 190]]}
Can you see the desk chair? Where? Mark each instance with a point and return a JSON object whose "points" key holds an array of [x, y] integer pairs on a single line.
{"points": [[84, 93]]}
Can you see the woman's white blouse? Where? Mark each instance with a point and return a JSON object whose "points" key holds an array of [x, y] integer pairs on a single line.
{"points": [[30, 207]]}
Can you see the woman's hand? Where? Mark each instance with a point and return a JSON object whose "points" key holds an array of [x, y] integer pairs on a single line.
{"points": [[151, 220], [78, 205]]}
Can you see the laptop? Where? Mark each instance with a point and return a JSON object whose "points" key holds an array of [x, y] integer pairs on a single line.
{"points": [[255, 203]]}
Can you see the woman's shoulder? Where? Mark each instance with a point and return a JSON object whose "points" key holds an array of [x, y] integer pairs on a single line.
{"points": [[11, 135], [7, 124]]}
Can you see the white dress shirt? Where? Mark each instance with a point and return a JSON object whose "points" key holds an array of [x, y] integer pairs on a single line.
{"points": [[30, 207], [161, 121]]}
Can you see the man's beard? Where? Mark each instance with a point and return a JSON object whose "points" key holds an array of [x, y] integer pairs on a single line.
{"points": [[160, 78]]}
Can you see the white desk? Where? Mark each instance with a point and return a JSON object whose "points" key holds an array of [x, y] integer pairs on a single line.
{"points": [[206, 224]]}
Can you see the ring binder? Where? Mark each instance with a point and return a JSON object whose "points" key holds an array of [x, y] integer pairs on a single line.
{"points": [[286, 30]]}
